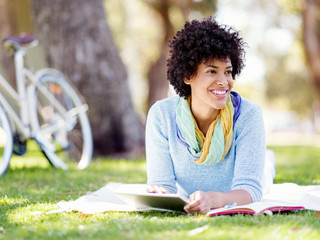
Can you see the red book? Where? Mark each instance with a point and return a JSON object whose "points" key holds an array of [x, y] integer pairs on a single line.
{"points": [[256, 208]]}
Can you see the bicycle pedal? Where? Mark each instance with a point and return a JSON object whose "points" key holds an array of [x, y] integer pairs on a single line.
{"points": [[19, 146]]}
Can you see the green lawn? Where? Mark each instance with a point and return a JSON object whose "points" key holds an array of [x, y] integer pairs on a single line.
{"points": [[32, 185]]}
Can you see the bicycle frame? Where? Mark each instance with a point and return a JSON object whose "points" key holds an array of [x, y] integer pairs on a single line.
{"points": [[44, 107], [25, 79], [21, 119]]}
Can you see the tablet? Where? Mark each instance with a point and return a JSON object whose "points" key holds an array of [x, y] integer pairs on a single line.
{"points": [[154, 200]]}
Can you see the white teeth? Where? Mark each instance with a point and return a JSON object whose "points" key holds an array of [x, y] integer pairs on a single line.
{"points": [[219, 92]]}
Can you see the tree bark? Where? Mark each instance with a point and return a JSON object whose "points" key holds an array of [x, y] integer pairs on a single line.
{"points": [[311, 39], [310, 16], [157, 75], [77, 40], [8, 26]]}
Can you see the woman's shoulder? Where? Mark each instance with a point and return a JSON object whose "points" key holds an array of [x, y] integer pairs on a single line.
{"points": [[162, 113], [167, 105], [250, 120], [248, 106], [249, 111]]}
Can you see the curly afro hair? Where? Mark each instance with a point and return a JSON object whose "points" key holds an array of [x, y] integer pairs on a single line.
{"points": [[198, 42]]}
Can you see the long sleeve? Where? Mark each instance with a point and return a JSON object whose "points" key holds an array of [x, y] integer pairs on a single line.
{"points": [[250, 153], [160, 170], [170, 164]]}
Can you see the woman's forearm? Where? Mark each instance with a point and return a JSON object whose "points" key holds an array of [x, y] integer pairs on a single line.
{"points": [[220, 199], [202, 202]]}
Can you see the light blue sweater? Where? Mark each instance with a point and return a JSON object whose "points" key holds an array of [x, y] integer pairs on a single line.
{"points": [[170, 165]]}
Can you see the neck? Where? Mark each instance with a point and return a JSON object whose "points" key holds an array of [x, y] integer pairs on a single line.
{"points": [[204, 117]]}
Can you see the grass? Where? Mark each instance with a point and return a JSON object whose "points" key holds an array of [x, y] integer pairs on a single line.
{"points": [[32, 185]]}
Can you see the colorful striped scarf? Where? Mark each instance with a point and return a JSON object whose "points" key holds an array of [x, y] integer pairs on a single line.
{"points": [[212, 148]]}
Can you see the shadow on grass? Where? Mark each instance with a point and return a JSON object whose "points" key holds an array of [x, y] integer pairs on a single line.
{"points": [[155, 225]]}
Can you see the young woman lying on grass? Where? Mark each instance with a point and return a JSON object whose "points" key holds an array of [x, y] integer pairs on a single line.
{"points": [[208, 143]]}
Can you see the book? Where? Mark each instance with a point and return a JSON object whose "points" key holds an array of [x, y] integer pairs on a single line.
{"points": [[134, 197], [267, 207], [154, 201], [105, 200]]}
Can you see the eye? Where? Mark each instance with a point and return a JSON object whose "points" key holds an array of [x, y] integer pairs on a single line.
{"points": [[229, 72], [212, 71]]}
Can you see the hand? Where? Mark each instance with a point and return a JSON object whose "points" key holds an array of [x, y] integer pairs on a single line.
{"points": [[156, 189], [202, 202]]}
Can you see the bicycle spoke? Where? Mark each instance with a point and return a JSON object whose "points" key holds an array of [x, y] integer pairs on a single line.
{"points": [[62, 122], [6, 142]]}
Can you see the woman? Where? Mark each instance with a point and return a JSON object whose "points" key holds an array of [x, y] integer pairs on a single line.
{"points": [[208, 143]]}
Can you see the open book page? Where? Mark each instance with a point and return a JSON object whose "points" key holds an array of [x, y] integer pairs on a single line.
{"points": [[124, 198], [267, 207], [307, 196], [102, 200]]}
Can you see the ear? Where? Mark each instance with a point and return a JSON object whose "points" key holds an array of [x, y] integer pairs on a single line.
{"points": [[187, 81]]}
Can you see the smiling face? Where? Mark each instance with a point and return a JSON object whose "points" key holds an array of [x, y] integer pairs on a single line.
{"points": [[210, 88]]}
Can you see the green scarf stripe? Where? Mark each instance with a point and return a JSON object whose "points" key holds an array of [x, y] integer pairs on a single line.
{"points": [[185, 123], [186, 132], [217, 146]]}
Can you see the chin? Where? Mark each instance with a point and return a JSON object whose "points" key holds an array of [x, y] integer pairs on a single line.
{"points": [[220, 105]]}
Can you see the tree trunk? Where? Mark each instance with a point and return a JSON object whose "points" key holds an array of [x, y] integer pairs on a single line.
{"points": [[310, 15], [77, 40], [7, 28], [157, 75], [311, 39]]}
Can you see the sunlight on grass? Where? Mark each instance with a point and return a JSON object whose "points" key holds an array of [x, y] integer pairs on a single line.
{"points": [[297, 164], [159, 226], [32, 186], [12, 201], [29, 162], [33, 158]]}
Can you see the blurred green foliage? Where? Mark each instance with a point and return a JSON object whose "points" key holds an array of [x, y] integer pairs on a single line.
{"points": [[287, 80], [138, 31]]}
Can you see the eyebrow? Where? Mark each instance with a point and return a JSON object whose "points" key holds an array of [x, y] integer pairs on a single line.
{"points": [[216, 66]]}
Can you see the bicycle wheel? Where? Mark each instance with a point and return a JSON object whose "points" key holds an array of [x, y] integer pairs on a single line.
{"points": [[59, 119], [6, 142]]}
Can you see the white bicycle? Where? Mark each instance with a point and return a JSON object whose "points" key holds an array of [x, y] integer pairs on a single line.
{"points": [[45, 108]]}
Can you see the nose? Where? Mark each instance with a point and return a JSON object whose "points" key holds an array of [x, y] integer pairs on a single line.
{"points": [[222, 80]]}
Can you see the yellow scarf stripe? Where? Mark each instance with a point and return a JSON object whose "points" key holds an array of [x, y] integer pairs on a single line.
{"points": [[226, 115], [227, 124]]}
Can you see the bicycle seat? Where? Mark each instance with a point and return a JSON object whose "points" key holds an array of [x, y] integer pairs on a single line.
{"points": [[12, 43]]}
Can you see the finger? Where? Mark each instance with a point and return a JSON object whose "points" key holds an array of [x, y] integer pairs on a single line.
{"points": [[195, 196], [156, 189], [197, 207], [196, 210], [192, 197], [151, 189], [161, 189], [193, 206], [191, 210]]}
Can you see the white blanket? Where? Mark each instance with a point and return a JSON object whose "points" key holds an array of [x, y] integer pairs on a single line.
{"points": [[307, 196], [104, 200]]}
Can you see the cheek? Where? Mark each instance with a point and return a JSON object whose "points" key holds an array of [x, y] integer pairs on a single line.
{"points": [[230, 82]]}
